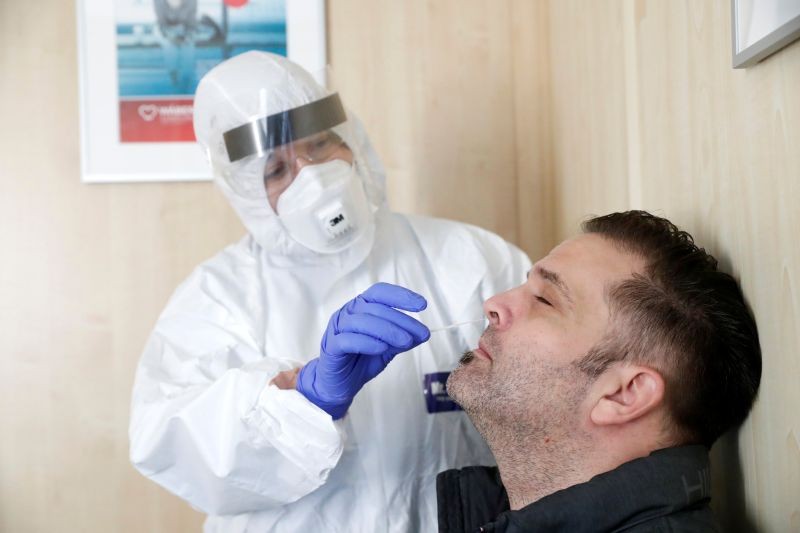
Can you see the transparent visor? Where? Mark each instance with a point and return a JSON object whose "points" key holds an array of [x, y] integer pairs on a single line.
{"points": [[268, 153], [267, 133]]}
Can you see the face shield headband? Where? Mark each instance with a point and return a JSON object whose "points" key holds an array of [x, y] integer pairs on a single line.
{"points": [[266, 133]]}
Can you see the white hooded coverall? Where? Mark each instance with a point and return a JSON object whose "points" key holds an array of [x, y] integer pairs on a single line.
{"points": [[207, 425]]}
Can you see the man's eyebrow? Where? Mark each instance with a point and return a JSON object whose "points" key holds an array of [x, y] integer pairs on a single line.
{"points": [[555, 279]]}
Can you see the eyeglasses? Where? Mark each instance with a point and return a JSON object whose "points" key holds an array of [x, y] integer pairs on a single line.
{"points": [[315, 149]]}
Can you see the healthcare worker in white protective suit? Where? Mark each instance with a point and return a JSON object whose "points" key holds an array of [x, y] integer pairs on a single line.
{"points": [[220, 415]]}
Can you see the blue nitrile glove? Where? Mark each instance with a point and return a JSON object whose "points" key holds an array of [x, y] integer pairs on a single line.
{"points": [[361, 339]]}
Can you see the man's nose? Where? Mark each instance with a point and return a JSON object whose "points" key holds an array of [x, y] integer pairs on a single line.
{"points": [[498, 311]]}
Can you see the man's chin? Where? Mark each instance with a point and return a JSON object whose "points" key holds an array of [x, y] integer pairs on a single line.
{"points": [[459, 382]]}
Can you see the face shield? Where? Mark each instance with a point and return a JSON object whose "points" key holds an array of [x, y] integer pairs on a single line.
{"points": [[279, 146], [269, 130]]}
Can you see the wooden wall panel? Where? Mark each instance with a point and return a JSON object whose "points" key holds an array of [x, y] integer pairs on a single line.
{"points": [[648, 113], [588, 108], [533, 116], [720, 153], [85, 271], [432, 82]]}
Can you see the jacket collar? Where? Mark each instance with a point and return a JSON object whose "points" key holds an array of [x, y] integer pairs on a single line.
{"points": [[663, 483]]}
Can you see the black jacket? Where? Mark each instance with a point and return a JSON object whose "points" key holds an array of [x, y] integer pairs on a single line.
{"points": [[667, 491]]}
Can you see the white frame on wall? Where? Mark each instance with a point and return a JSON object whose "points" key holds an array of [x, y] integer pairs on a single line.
{"points": [[104, 159], [778, 24]]}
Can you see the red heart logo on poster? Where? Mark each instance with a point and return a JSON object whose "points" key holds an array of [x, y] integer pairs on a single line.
{"points": [[148, 112], [235, 3]]}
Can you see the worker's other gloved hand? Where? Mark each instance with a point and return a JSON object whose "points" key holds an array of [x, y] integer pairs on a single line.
{"points": [[361, 339]]}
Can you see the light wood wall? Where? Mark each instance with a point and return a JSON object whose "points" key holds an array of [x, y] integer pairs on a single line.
{"points": [[85, 271], [438, 85], [648, 113], [522, 116]]}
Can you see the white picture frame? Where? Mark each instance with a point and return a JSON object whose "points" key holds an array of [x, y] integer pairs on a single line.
{"points": [[759, 28], [105, 157]]}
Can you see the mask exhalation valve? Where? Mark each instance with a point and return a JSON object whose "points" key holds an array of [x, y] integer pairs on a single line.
{"points": [[335, 221]]}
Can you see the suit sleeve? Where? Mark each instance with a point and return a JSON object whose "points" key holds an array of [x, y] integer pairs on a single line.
{"points": [[206, 425]]}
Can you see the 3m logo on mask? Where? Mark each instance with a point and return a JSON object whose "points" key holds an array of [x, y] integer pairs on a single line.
{"points": [[334, 220], [435, 390], [325, 209], [339, 218]]}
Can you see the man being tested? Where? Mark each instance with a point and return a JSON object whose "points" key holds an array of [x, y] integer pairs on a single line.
{"points": [[237, 407], [600, 384]]}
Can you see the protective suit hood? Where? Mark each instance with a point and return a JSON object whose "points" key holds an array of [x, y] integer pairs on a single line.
{"points": [[252, 87]]}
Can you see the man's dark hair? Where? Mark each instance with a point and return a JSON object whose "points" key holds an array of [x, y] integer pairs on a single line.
{"points": [[684, 318]]}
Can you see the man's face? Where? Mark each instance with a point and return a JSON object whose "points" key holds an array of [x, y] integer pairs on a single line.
{"points": [[522, 375]]}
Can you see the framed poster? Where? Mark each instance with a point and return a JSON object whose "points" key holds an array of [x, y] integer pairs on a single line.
{"points": [[761, 28], [139, 65]]}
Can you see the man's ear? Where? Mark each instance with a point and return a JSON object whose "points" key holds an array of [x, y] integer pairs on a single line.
{"points": [[625, 393]]}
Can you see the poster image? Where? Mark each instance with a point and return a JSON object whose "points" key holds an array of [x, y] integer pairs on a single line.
{"points": [[164, 47], [139, 65]]}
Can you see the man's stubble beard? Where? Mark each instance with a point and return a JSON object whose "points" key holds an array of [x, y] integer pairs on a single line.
{"points": [[538, 396], [527, 410]]}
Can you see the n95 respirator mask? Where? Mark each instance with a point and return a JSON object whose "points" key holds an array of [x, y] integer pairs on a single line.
{"points": [[325, 208]]}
